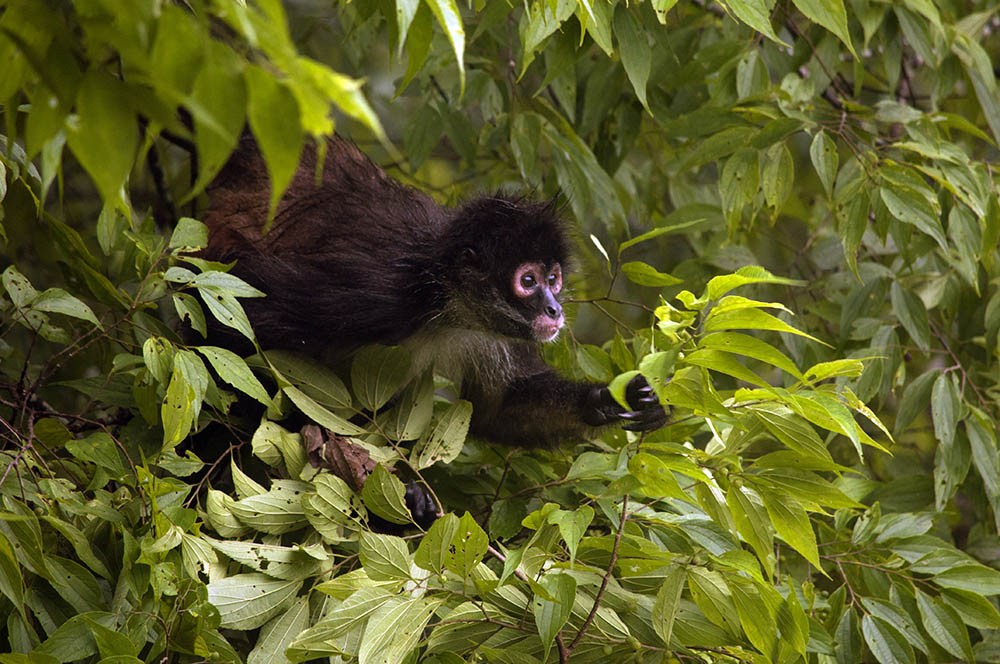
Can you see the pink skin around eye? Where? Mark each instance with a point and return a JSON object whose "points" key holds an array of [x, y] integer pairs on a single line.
{"points": [[535, 270], [557, 273]]}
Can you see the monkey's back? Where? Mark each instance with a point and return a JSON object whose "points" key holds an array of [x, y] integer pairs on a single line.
{"points": [[340, 262]]}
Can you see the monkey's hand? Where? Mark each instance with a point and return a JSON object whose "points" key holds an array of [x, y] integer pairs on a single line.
{"points": [[644, 413]]}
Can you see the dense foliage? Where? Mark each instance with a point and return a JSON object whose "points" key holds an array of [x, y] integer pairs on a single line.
{"points": [[789, 224]]}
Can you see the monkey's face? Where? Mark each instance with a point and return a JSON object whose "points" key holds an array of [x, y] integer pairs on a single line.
{"points": [[536, 288]]}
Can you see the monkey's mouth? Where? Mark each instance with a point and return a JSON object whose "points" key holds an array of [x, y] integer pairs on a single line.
{"points": [[547, 329]]}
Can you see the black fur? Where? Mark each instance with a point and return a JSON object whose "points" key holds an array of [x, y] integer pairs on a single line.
{"points": [[357, 258]]}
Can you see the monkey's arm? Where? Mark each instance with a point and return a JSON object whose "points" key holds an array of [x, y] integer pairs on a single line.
{"points": [[542, 409]]}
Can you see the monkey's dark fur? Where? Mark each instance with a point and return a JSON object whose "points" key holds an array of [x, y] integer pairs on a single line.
{"points": [[358, 258]]}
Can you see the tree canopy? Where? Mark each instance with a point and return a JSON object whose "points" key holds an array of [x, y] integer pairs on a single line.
{"points": [[788, 223]]}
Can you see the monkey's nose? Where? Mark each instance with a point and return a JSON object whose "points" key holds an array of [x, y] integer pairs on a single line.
{"points": [[551, 311]]}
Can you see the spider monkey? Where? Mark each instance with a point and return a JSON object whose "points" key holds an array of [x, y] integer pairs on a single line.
{"points": [[358, 258]]}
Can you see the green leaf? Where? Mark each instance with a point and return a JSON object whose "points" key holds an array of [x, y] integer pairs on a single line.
{"points": [[634, 50], [667, 603], [807, 487], [977, 578], [71, 641], [333, 508], [899, 619], [710, 592], [308, 376], [750, 319], [247, 601], [345, 92], [756, 14], [277, 447], [275, 512], [405, 11], [177, 411], [644, 274], [221, 280], [595, 362], [226, 309], [792, 524], [418, 44], [279, 562], [220, 516], [657, 479], [979, 67], [384, 494], [777, 175], [468, 546], [599, 25], [98, 137], [757, 618], [394, 630], [277, 634], [826, 411], [910, 311], [56, 300], [723, 363], [916, 397], [794, 623], [349, 618], [823, 153], [945, 626], [189, 309], [951, 466], [885, 642], [831, 15], [319, 414], [580, 174], [738, 184], [448, 17], [433, 550], [743, 344], [912, 207], [572, 526], [274, 119], [377, 373], [552, 614], [541, 19], [384, 557], [985, 456], [751, 274], [158, 355], [832, 369], [100, 449], [975, 610], [751, 521], [234, 370], [852, 222], [218, 104], [11, 581], [446, 440], [189, 235], [411, 413], [945, 408]]}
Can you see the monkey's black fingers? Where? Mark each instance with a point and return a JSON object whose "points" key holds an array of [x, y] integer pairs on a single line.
{"points": [[630, 414], [646, 420]]}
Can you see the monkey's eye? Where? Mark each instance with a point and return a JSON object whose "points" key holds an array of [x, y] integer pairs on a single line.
{"points": [[553, 280], [528, 282]]}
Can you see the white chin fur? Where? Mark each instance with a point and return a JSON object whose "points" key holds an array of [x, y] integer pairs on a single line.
{"points": [[547, 337]]}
